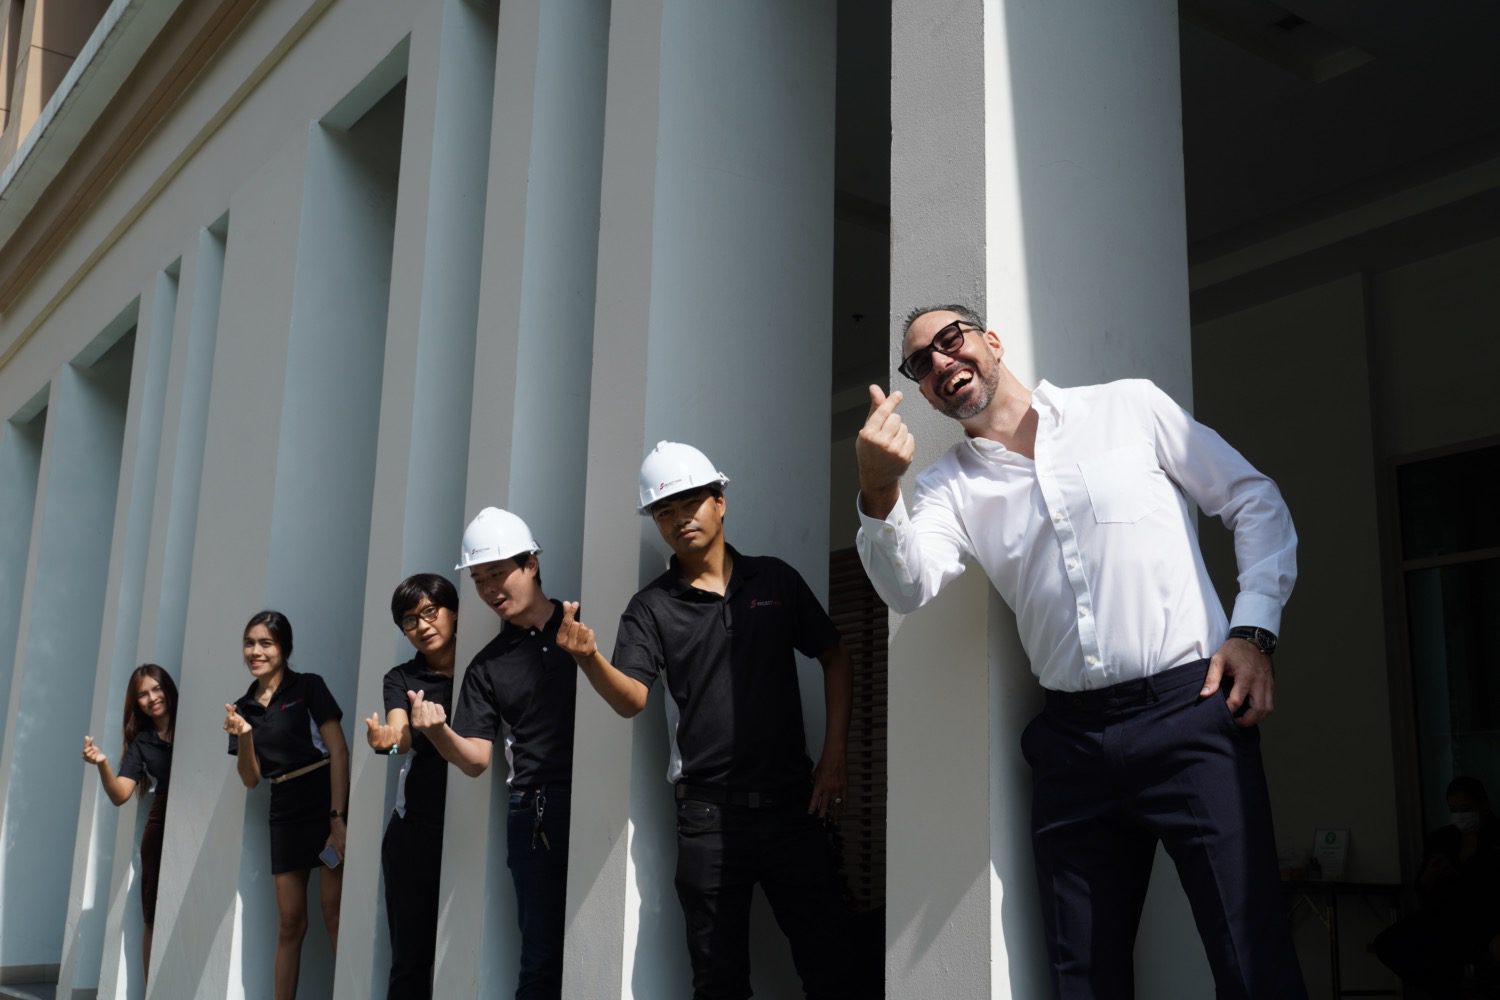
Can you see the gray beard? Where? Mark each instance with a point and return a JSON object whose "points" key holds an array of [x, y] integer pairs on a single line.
{"points": [[979, 403]]}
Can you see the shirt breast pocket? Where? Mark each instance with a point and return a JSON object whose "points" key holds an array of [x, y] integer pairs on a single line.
{"points": [[1120, 483]]}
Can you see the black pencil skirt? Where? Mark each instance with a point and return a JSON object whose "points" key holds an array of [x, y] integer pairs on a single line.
{"points": [[299, 821], [151, 838]]}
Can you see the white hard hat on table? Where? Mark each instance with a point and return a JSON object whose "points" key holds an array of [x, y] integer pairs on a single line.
{"points": [[495, 534], [673, 468]]}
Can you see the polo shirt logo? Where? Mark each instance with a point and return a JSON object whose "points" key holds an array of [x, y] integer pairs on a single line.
{"points": [[764, 602], [290, 704]]}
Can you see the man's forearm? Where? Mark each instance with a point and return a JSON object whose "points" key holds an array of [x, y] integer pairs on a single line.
{"points": [[838, 699], [460, 751], [626, 695]]}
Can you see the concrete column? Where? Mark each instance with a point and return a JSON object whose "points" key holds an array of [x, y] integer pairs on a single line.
{"points": [[417, 514], [529, 416], [57, 648], [20, 462], [1037, 174], [162, 614], [199, 906], [94, 852], [713, 299]]}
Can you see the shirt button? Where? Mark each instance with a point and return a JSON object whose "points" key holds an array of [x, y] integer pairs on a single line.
{"points": [[1091, 660], [544, 649], [1083, 612], [1057, 517], [533, 632], [1072, 564]]}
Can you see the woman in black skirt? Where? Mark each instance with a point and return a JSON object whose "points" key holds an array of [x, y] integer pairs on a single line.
{"points": [[150, 718], [286, 730]]}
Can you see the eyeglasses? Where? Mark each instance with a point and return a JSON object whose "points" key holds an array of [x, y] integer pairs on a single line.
{"points": [[918, 364], [428, 614]]}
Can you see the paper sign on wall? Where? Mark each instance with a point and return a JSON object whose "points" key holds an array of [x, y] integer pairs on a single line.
{"points": [[1331, 849]]}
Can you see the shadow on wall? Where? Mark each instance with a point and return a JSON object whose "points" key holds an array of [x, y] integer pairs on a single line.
{"points": [[661, 966]]}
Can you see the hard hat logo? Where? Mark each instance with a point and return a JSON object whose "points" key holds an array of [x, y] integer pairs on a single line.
{"points": [[673, 468], [495, 534]]}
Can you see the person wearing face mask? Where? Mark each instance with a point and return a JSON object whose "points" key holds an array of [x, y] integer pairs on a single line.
{"points": [[1456, 929], [518, 690], [1078, 504], [425, 609], [721, 630]]}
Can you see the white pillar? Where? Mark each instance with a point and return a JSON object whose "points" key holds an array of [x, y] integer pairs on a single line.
{"points": [[526, 435], [20, 462], [198, 903], [713, 301], [57, 647], [422, 449], [94, 851], [1036, 174]]}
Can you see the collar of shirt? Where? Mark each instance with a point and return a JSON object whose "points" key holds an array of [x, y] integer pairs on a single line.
{"points": [[742, 570], [512, 635], [290, 680]]}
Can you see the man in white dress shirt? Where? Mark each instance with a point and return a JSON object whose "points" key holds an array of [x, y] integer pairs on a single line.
{"points": [[1079, 506]]}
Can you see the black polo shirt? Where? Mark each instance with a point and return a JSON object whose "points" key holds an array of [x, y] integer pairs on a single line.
{"points": [[735, 713], [423, 785], [521, 689], [148, 756], [285, 732]]}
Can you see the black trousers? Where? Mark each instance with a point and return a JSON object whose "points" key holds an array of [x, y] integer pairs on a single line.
{"points": [[537, 854], [722, 852], [1117, 770], [411, 856]]}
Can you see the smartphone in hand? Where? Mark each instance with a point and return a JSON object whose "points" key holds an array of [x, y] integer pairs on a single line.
{"points": [[330, 856]]}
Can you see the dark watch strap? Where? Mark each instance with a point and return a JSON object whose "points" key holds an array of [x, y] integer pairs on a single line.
{"points": [[1264, 639]]}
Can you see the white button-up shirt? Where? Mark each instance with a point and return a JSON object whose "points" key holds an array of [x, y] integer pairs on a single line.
{"points": [[1093, 543]]}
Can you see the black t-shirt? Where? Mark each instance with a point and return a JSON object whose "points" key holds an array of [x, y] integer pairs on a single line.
{"points": [[285, 732], [150, 756], [423, 786], [735, 713], [521, 688]]}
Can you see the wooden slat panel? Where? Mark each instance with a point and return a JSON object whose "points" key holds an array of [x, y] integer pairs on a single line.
{"points": [[861, 619]]}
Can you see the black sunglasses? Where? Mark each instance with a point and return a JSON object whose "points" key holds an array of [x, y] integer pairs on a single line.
{"points": [[918, 364]]}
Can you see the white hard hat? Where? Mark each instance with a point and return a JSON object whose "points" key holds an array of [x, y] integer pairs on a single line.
{"points": [[493, 535], [676, 468]]}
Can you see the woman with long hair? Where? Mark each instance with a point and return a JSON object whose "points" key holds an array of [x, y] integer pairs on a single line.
{"points": [[286, 729], [150, 718]]}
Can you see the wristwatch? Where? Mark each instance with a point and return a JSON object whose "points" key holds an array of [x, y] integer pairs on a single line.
{"points": [[335, 814], [1264, 639]]}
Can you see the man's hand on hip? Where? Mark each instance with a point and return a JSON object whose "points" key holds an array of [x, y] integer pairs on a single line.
{"points": [[1252, 676], [884, 450]]}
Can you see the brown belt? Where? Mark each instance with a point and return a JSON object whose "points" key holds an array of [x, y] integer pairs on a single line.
{"points": [[299, 772]]}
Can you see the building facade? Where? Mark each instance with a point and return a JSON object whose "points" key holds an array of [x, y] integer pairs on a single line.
{"points": [[289, 289]]}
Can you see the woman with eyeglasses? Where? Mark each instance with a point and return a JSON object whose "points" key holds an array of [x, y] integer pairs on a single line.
{"points": [[425, 609], [286, 729], [146, 766]]}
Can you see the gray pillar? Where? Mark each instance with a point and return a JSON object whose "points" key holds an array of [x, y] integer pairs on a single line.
{"points": [[57, 647], [714, 301], [526, 435], [416, 517], [20, 462], [83, 938], [1037, 174]]}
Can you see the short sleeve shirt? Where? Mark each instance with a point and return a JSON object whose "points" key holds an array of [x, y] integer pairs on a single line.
{"points": [[422, 788], [735, 714], [149, 757], [521, 689], [285, 732]]}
